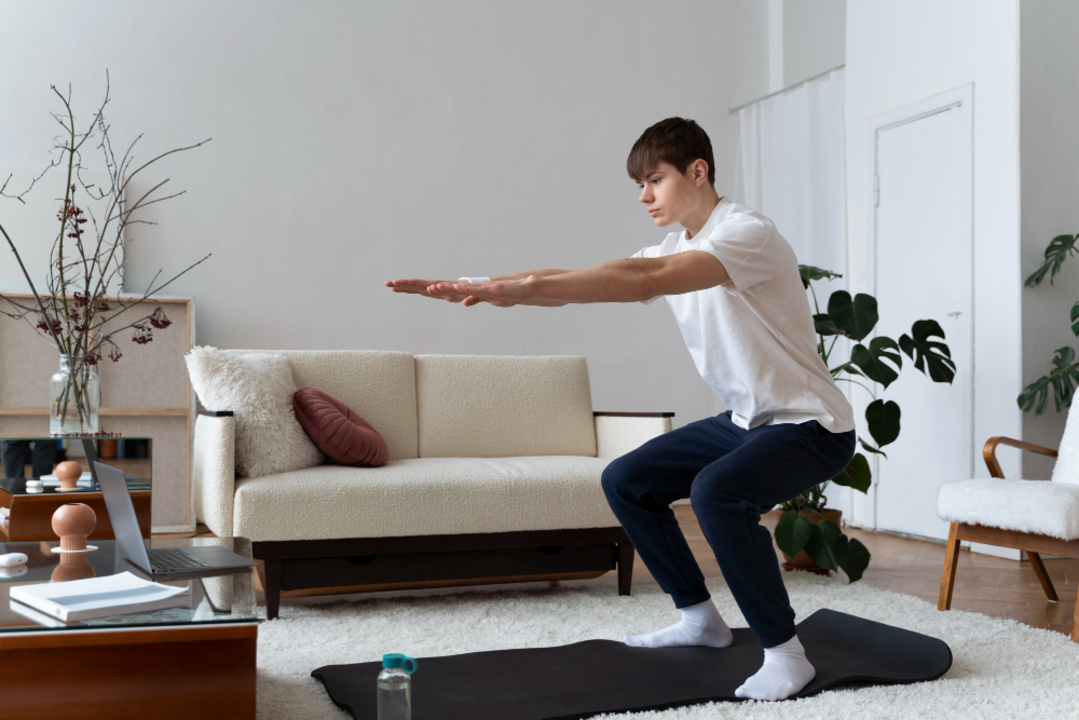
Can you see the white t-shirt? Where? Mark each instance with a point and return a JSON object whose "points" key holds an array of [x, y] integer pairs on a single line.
{"points": [[752, 338]]}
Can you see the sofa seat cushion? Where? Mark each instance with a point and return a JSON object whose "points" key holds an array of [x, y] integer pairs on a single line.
{"points": [[1033, 506], [424, 496]]}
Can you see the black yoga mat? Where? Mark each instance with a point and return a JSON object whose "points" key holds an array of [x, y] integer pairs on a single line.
{"points": [[587, 678]]}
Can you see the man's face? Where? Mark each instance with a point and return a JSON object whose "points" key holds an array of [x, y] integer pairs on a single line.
{"points": [[668, 194]]}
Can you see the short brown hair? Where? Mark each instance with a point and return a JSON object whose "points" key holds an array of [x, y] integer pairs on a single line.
{"points": [[676, 141]]}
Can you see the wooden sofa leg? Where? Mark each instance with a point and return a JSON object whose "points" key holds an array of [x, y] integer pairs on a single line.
{"points": [[1043, 576], [951, 559], [625, 567], [271, 587], [1075, 620]]}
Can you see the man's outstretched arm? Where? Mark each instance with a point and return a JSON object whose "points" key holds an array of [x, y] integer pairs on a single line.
{"points": [[622, 280]]}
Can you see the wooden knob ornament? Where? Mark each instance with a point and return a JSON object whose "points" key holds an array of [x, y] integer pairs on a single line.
{"points": [[69, 473], [73, 523]]}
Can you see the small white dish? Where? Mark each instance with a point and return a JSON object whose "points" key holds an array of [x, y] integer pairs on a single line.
{"points": [[89, 548]]}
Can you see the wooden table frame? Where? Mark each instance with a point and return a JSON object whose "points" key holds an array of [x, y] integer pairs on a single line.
{"points": [[1031, 543], [197, 671]]}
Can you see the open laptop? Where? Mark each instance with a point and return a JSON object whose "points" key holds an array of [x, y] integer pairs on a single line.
{"points": [[161, 563]]}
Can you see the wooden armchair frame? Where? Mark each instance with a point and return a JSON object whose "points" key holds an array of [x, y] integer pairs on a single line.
{"points": [[1031, 543]]}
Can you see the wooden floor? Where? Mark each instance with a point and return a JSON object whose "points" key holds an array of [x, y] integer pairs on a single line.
{"points": [[983, 583]]}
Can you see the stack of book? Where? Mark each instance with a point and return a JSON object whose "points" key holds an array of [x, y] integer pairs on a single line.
{"points": [[99, 597]]}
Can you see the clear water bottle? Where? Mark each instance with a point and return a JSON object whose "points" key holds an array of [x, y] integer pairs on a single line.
{"points": [[395, 687]]}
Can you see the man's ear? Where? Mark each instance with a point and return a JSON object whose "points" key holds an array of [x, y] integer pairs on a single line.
{"points": [[697, 171]]}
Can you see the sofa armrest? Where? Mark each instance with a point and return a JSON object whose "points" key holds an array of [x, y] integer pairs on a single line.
{"points": [[617, 433], [213, 470]]}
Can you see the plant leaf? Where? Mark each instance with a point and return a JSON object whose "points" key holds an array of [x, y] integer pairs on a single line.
{"points": [[856, 475], [1075, 318], [883, 420], [871, 360], [1063, 379], [818, 548], [792, 532], [926, 352], [809, 273], [870, 448], [857, 560], [824, 325], [1055, 255], [855, 318], [848, 368], [835, 541]]}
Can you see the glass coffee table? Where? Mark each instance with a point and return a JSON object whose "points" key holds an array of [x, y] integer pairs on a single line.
{"points": [[196, 661]]}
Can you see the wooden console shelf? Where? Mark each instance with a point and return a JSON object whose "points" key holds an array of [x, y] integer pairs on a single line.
{"points": [[147, 392]]}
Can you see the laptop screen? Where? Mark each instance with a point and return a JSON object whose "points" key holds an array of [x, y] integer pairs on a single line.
{"points": [[125, 525]]}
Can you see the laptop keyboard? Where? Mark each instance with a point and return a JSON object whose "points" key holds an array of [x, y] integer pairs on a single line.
{"points": [[173, 559]]}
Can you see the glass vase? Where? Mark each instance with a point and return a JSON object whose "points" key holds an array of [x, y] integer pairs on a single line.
{"points": [[75, 397]]}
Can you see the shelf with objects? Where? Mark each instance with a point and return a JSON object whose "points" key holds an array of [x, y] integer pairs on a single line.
{"points": [[41, 473], [146, 394]]}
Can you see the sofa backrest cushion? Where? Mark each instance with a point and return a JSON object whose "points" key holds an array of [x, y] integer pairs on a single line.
{"points": [[1066, 469], [504, 406], [379, 385], [337, 430]]}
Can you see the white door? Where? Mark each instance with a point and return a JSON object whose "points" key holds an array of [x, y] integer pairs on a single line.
{"points": [[923, 265]]}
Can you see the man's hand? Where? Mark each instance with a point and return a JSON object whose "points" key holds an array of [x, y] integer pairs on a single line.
{"points": [[500, 293], [416, 286]]}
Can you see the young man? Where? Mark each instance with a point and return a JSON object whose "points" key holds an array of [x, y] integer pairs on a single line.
{"points": [[732, 282]]}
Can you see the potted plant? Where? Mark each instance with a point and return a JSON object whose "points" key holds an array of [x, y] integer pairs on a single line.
{"points": [[74, 305], [808, 531], [1064, 375]]}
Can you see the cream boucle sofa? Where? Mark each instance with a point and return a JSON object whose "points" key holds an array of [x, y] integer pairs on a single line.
{"points": [[494, 472]]}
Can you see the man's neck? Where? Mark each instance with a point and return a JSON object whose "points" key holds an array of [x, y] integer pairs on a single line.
{"points": [[696, 221]]}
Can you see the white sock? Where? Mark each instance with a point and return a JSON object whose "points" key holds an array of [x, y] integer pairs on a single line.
{"points": [[785, 672], [701, 624]]}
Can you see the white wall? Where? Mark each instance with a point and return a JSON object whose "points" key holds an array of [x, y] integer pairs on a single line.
{"points": [[900, 53], [1049, 82], [358, 142], [814, 37]]}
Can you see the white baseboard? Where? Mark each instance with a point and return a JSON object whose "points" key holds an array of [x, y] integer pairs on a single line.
{"points": [[1009, 553]]}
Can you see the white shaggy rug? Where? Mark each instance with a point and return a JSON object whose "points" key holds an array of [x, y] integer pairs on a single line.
{"points": [[1001, 668]]}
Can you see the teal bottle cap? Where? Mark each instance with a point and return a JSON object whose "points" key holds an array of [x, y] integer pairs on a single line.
{"points": [[397, 660]]}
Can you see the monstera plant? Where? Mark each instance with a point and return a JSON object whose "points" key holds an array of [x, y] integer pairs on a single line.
{"points": [[1064, 375], [802, 524]]}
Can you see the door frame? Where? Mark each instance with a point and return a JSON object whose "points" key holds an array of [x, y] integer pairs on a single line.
{"points": [[961, 99]]}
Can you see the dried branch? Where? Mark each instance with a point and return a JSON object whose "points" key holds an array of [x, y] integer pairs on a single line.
{"points": [[74, 310]]}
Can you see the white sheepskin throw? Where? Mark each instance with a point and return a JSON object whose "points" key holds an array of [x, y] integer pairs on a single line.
{"points": [[257, 388], [1033, 506]]}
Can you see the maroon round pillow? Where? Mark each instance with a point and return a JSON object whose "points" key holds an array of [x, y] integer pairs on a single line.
{"points": [[337, 431]]}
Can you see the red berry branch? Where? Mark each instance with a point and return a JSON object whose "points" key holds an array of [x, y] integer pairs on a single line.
{"points": [[73, 309]]}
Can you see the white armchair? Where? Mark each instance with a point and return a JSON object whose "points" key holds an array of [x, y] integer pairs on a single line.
{"points": [[1037, 516]]}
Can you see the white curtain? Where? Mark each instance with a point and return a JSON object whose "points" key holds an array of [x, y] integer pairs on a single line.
{"points": [[790, 167]]}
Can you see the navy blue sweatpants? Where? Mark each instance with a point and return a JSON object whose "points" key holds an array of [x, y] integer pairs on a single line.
{"points": [[731, 477]]}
